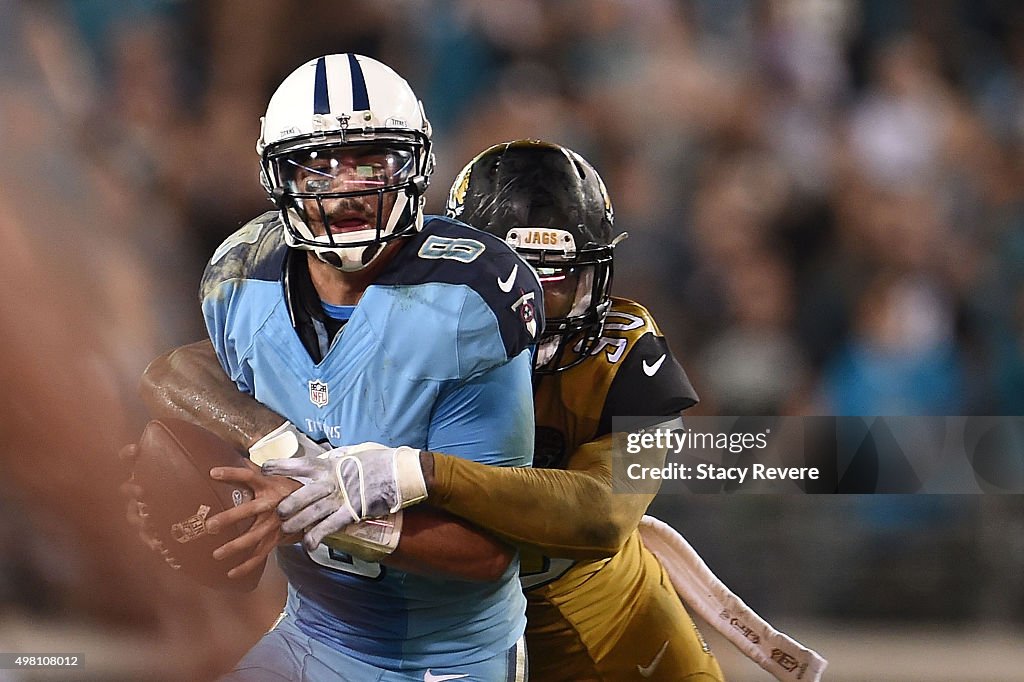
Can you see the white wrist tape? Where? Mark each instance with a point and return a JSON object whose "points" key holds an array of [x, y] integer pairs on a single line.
{"points": [[412, 487], [369, 540], [283, 442]]}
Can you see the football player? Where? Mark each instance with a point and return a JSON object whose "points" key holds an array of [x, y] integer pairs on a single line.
{"points": [[600, 605], [357, 318]]}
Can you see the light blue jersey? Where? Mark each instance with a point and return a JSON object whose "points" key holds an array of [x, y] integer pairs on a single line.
{"points": [[435, 356]]}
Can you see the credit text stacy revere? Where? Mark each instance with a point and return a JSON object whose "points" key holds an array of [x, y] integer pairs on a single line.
{"points": [[673, 471]]}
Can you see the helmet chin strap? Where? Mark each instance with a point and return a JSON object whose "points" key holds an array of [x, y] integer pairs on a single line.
{"points": [[371, 252], [347, 259], [350, 258], [331, 258], [545, 352]]}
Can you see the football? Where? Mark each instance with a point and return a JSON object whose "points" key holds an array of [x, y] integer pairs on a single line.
{"points": [[172, 467]]}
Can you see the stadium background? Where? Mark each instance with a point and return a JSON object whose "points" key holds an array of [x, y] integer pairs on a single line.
{"points": [[826, 210]]}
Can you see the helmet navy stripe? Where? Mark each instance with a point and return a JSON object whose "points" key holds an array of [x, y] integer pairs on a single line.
{"points": [[321, 101], [360, 100]]}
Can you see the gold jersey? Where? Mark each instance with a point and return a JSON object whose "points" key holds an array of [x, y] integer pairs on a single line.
{"points": [[615, 618], [630, 373], [600, 606]]}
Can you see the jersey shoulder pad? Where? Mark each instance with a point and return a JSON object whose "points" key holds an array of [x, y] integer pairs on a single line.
{"points": [[449, 252], [646, 380], [256, 251], [629, 320]]}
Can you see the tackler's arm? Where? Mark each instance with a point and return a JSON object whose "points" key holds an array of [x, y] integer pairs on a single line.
{"points": [[189, 383]]}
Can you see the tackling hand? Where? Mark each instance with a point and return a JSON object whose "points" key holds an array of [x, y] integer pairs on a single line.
{"points": [[346, 485]]}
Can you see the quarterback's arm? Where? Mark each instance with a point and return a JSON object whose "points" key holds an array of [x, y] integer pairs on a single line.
{"points": [[189, 383], [571, 513]]}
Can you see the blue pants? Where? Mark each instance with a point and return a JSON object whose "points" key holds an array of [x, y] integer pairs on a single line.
{"points": [[286, 654]]}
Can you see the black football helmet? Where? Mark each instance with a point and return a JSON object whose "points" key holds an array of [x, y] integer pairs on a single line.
{"points": [[552, 207]]}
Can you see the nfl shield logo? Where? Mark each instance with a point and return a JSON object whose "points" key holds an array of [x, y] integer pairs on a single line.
{"points": [[318, 393]]}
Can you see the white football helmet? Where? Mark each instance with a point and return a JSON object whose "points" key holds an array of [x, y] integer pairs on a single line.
{"points": [[346, 156]]}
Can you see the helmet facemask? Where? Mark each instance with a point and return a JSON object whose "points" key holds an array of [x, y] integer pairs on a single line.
{"points": [[576, 304], [345, 200]]}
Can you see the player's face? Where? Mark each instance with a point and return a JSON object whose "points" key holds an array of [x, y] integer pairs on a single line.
{"points": [[560, 290], [319, 176]]}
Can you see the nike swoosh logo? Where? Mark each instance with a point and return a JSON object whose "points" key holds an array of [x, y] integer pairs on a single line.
{"points": [[431, 677], [506, 285], [648, 670], [651, 370]]}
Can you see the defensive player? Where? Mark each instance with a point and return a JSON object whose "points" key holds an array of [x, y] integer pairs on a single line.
{"points": [[357, 319], [600, 606]]}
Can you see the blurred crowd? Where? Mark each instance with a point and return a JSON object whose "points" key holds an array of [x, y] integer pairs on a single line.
{"points": [[825, 198]]}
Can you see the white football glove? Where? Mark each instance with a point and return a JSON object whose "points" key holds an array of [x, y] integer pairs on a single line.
{"points": [[347, 485], [283, 442]]}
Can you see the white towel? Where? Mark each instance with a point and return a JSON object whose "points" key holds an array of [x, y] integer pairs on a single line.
{"points": [[780, 655]]}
